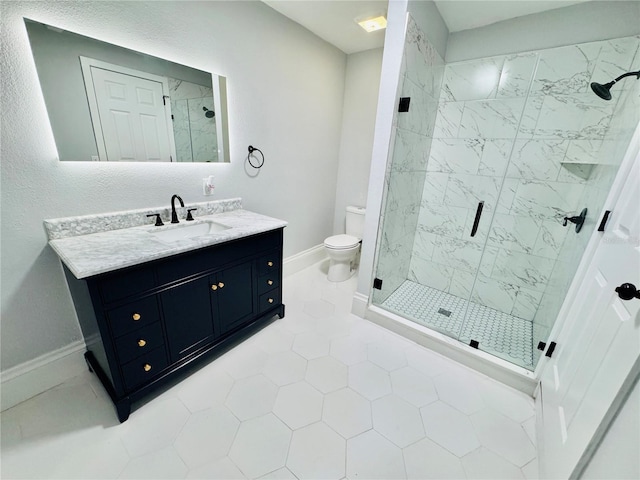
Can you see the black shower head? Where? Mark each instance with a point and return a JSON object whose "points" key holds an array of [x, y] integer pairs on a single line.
{"points": [[603, 91], [208, 113]]}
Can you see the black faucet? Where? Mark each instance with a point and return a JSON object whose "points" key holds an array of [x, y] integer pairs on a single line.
{"points": [[174, 216]]}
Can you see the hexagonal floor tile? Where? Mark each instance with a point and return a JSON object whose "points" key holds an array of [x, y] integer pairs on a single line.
{"points": [[205, 389], [371, 456], [349, 350], [244, 361], [427, 460], [272, 339], [252, 397], [518, 406], [415, 387], [369, 380], [460, 392], [298, 404], [153, 427], [311, 345], [317, 452], [397, 420], [334, 326], [387, 355], [261, 445], [327, 374], [449, 428], [196, 444], [221, 468], [484, 464], [280, 474], [504, 437], [285, 368], [164, 463], [347, 412], [319, 308], [425, 361]]}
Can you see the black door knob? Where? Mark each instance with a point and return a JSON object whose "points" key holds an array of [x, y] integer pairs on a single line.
{"points": [[627, 291]]}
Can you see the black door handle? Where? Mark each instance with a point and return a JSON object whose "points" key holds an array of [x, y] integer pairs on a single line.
{"points": [[476, 220], [627, 291]]}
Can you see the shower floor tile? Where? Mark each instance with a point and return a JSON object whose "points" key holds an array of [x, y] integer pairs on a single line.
{"points": [[498, 333]]}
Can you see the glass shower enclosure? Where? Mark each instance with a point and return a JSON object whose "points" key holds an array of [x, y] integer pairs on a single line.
{"points": [[491, 164]]}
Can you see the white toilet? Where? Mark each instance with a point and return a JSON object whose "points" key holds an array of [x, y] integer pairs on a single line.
{"points": [[343, 249]]}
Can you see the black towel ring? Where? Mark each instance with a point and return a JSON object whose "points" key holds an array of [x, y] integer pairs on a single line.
{"points": [[251, 150]]}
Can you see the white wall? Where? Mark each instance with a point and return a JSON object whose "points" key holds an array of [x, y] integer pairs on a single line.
{"points": [[581, 23], [360, 103], [285, 89]]}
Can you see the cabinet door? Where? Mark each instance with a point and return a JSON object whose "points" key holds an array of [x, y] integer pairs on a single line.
{"points": [[235, 296], [187, 316]]}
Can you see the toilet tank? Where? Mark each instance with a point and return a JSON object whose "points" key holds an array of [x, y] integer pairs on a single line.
{"points": [[355, 221]]}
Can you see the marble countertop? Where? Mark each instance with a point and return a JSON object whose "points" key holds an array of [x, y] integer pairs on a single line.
{"points": [[101, 252]]}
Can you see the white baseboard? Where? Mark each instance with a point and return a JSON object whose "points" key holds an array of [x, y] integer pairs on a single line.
{"points": [[31, 378], [359, 304], [302, 260]]}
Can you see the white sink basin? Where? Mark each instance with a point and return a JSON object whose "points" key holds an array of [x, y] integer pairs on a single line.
{"points": [[185, 231]]}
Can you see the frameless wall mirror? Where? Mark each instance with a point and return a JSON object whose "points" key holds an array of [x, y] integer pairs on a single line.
{"points": [[109, 103]]}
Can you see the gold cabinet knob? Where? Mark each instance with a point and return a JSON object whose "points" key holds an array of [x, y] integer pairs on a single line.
{"points": [[271, 300], [214, 287], [269, 282], [146, 367], [136, 316], [270, 264], [221, 285], [142, 342]]}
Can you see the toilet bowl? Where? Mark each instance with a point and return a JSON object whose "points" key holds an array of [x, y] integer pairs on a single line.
{"points": [[343, 249]]}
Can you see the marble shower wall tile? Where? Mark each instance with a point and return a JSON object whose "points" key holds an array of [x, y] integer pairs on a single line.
{"points": [[442, 220], [462, 283], [516, 75], [181, 133], [204, 142], [457, 253], [422, 112], [473, 80], [410, 151], [491, 118], [435, 186], [423, 64], [550, 239], [465, 190], [546, 200], [183, 90], [455, 155], [514, 233], [495, 157], [616, 57], [430, 273], [494, 293], [526, 303], [522, 269], [448, 119], [537, 159], [574, 116], [565, 70]]}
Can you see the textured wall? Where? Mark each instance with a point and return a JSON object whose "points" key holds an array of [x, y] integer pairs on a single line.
{"points": [[285, 89]]}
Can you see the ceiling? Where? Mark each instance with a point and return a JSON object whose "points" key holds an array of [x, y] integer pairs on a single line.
{"points": [[334, 20]]}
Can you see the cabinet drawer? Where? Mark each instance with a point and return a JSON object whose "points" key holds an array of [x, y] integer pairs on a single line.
{"points": [[269, 263], [140, 342], [117, 286], [144, 368], [269, 300], [269, 281], [133, 315]]}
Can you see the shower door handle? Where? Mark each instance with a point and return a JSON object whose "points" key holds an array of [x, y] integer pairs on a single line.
{"points": [[476, 221]]}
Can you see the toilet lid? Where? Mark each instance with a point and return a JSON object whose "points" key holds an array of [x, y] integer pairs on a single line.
{"points": [[342, 241]]}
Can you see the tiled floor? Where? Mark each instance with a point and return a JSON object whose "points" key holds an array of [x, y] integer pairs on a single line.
{"points": [[318, 394], [497, 332]]}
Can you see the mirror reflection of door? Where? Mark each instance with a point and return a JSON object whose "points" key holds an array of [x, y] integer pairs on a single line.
{"points": [[130, 113]]}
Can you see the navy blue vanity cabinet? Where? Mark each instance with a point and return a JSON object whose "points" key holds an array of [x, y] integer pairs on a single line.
{"points": [[150, 325]]}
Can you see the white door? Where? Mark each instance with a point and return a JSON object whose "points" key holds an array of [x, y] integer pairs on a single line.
{"points": [[131, 120], [599, 345]]}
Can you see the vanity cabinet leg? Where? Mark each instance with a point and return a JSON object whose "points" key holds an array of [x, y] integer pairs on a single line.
{"points": [[281, 312], [123, 408]]}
